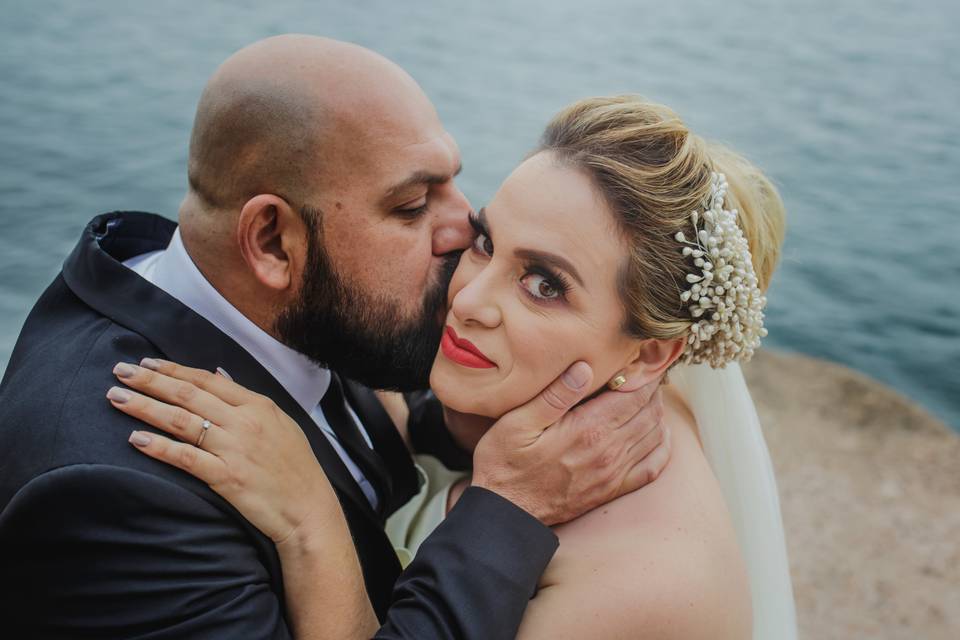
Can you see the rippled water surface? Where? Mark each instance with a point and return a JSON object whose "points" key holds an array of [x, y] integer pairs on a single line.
{"points": [[852, 107]]}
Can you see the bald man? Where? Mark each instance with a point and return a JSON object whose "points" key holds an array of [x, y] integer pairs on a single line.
{"points": [[316, 241]]}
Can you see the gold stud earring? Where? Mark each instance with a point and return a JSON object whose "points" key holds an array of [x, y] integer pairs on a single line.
{"points": [[618, 381]]}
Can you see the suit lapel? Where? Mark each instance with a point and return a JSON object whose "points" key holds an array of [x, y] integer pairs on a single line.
{"points": [[94, 272]]}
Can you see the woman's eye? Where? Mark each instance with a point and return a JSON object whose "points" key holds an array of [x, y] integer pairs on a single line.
{"points": [[482, 244], [540, 287]]}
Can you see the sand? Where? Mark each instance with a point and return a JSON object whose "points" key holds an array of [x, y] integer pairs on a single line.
{"points": [[870, 490]]}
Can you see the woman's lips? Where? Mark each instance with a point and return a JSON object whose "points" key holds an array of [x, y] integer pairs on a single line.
{"points": [[462, 351]]}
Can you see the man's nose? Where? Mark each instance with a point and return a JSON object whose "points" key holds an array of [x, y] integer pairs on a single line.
{"points": [[452, 230]]}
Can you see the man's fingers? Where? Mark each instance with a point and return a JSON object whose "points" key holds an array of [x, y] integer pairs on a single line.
{"points": [[176, 421], [221, 386], [643, 393], [613, 409], [196, 462], [176, 392], [632, 385], [648, 418], [553, 402], [648, 469], [640, 447]]}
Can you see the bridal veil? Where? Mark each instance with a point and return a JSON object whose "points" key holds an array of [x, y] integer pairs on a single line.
{"points": [[735, 448]]}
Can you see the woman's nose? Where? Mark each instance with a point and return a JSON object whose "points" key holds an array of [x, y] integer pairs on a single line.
{"points": [[475, 303]]}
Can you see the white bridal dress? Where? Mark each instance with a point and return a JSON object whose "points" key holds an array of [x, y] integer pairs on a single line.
{"points": [[734, 445]]}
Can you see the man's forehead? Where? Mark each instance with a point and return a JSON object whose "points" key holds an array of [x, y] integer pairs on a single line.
{"points": [[439, 150], [433, 160], [379, 155]]}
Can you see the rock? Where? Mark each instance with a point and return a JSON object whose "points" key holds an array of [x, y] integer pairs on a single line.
{"points": [[870, 490]]}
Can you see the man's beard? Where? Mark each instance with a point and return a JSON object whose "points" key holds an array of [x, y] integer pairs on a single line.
{"points": [[364, 337]]}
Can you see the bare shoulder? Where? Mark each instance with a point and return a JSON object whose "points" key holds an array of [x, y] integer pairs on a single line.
{"points": [[659, 563]]}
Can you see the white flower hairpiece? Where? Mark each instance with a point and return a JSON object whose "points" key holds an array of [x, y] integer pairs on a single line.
{"points": [[724, 300]]}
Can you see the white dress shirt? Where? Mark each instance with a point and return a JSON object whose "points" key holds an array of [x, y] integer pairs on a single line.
{"points": [[173, 271]]}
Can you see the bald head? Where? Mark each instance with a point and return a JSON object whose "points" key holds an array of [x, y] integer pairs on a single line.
{"points": [[278, 112], [296, 124]]}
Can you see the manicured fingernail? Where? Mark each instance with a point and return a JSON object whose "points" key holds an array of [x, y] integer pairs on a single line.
{"points": [[139, 438], [118, 395], [124, 370], [223, 372], [150, 363], [577, 375]]}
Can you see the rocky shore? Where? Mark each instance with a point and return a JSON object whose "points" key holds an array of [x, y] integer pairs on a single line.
{"points": [[870, 491]]}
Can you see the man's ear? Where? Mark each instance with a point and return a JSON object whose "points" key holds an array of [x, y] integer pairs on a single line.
{"points": [[651, 360], [272, 240]]}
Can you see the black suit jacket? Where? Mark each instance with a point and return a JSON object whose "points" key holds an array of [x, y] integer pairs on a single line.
{"points": [[98, 540]]}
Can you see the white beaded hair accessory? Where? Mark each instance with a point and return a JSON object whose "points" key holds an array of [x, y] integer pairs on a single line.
{"points": [[725, 300]]}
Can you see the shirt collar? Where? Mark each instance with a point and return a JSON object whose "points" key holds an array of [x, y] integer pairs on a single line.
{"points": [[174, 272]]}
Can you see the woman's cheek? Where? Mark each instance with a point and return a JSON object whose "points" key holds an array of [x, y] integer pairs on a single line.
{"points": [[540, 355]]}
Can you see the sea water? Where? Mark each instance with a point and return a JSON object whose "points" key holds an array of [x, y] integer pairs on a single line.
{"points": [[852, 107]]}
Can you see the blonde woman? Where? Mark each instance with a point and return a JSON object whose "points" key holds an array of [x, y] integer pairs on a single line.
{"points": [[628, 242]]}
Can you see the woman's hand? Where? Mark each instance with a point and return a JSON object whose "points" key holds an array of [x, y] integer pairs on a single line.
{"points": [[257, 458], [251, 453]]}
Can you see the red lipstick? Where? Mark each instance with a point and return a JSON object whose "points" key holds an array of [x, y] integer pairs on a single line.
{"points": [[462, 351]]}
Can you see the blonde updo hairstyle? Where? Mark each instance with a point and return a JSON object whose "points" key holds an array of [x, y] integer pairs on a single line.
{"points": [[653, 172]]}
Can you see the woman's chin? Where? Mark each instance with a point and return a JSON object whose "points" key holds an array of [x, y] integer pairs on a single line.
{"points": [[459, 394]]}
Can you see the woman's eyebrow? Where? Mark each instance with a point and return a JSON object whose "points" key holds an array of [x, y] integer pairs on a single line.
{"points": [[552, 259], [530, 255]]}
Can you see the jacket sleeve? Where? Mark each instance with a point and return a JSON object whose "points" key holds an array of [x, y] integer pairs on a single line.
{"points": [[109, 552], [474, 575]]}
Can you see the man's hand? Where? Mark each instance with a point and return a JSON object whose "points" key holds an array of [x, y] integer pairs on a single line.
{"points": [[557, 463]]}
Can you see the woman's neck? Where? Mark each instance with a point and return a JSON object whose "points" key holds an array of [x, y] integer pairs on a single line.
{"points": [[466, 428]]}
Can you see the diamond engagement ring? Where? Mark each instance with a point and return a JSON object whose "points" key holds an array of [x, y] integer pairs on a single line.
{"points": [[204, 427]]}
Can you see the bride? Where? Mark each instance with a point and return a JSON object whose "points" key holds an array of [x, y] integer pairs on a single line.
{"points": [[627, 241]]}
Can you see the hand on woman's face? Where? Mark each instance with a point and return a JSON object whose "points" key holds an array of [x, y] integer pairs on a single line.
{"points": [[536, 292]]}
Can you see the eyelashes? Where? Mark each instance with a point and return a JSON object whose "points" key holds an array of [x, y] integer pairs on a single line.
{"points": [[478, 226], [482, 244], [552, 286]]}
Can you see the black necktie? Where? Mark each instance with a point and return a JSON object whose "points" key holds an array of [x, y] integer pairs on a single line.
{"points": [[335, 411]]}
